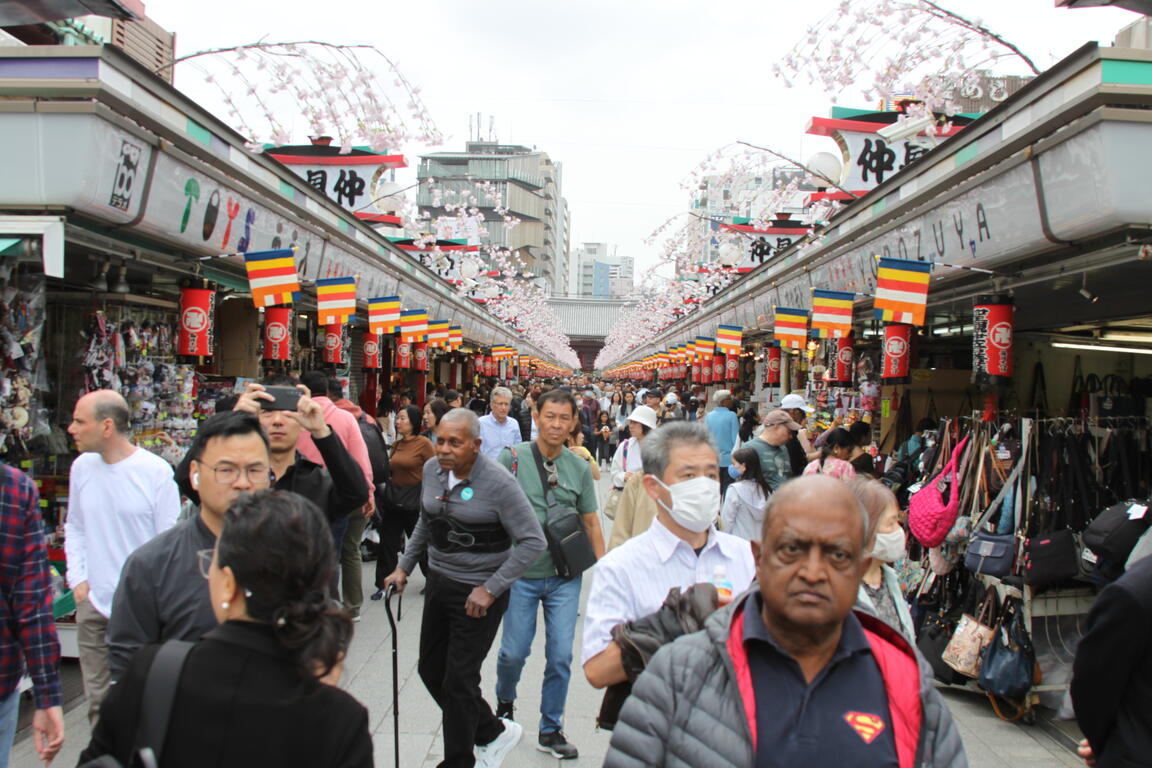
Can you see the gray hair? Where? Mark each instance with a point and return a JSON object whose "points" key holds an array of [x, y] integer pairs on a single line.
{"points": [[464, 416], [500, 392], [659, 443]]}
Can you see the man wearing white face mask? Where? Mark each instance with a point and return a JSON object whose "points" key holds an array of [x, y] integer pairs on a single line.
{"points": [[880, 593], [681, 548]]}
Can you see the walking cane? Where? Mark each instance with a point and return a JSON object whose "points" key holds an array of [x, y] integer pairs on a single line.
{"points": [[391, 590]]}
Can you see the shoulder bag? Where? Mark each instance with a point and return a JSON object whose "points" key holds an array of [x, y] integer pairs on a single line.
{"points": [[971, 635], [1008, 668], [568, 541], [929, 516], [155, 707]]}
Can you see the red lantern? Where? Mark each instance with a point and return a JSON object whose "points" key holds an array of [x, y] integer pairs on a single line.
{"points": [[706, 370], [992, 318], [718, 367], [334, 344], [373, 352], [278, 333], [897, 353], [489, 365], [420, 353], [840, 371], [197, 310], [732, 367], [404, 354], [772, 365]]}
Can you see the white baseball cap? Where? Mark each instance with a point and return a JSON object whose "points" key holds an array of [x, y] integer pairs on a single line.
{"points": [[795, 401]]}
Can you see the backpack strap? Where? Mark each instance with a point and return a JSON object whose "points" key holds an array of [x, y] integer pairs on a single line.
{"points": [[159, 695]]}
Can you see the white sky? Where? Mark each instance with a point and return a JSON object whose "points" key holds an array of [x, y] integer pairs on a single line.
{"points": [[630, 95]]}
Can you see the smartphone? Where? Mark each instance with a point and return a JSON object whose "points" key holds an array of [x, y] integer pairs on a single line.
{"points": [[286, 399]]}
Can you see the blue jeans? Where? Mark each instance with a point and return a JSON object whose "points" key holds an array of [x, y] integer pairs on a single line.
{"points": [[561, 601], [9, 711]]}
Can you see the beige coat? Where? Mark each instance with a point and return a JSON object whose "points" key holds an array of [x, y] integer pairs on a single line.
{"points": [[635, 513]]}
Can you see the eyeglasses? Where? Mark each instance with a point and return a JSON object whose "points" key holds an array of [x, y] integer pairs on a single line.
{"points": [[226, 474], [553, 476], [204, 560]]}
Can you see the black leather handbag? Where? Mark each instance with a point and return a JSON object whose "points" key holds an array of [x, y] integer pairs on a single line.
{"points": [[568, 541], [1008, 665]]}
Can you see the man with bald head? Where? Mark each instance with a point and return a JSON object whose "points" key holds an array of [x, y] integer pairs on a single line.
{"points": [[789, 674], [119, 497]]}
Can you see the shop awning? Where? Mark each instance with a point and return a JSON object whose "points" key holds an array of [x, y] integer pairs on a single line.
{"points": [[16, 12]]}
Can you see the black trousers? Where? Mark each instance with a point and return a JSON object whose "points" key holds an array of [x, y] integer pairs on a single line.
{"points": [[452, 649], [394, 523]]}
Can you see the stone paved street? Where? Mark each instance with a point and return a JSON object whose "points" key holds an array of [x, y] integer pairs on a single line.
{"points": [[990, 742]]}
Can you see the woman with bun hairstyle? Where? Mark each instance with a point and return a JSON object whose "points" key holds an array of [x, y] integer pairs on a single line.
{"points": [[250, 692]]}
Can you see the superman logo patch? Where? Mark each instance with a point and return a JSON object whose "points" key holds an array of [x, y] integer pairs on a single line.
{"points": [[867, 726]]}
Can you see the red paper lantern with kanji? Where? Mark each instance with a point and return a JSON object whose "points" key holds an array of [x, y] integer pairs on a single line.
{"points": [[840, 370], [772, 359], [489, 365], [334, 344], [197, 310], [992, 320], [420, 355], [373, 352], [719, 365], [732, 367], [278, 333], [897, 353], [404, 354]]}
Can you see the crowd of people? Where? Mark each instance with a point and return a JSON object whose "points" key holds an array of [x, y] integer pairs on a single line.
{"points": [[742, 610]]}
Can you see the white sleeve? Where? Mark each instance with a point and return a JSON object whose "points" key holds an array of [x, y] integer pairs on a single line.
{"points": [[75, 538], [728, 513], [608, 605], [166, 507], [618, 468]]}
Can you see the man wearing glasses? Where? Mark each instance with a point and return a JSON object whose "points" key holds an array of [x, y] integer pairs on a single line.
{"points": [[569, 480], [235, 452]]}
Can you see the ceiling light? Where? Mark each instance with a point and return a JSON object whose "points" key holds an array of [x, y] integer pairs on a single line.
{"points": [[1103, 348], [1139, 338], [100, 282], [121, 284]]}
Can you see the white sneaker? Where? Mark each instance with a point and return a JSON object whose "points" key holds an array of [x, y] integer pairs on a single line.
{"points": [[492, 754]]}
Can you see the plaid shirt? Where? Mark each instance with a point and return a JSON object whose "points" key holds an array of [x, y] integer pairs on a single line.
{"points": [[27, 629]]}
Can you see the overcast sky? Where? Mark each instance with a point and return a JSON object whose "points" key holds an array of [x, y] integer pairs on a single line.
{"points": [[629, 96]]}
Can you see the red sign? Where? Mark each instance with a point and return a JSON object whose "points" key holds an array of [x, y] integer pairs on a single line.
{"points": [[420, 353], [841, 368], [278, 333], [772, 365], [334, 344], [404, 354], [197, 308], [732, 367], [373, 352], [897, 353], [992, 318]]}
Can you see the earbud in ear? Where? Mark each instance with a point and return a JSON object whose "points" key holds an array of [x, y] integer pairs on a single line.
{"points": [[195, 479]]}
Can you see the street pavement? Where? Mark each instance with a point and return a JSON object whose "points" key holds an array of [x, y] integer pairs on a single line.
{"points": [[989, 742]]}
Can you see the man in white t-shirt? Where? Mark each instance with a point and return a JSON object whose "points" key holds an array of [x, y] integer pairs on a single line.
{"points": [[119, 497]]}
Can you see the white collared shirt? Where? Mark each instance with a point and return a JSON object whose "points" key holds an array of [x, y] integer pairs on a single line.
{"points": [[633, 579], [495, 437]]}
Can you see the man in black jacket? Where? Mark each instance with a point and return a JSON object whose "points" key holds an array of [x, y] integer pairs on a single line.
{"points": [[161, 594], [1112, 674]]}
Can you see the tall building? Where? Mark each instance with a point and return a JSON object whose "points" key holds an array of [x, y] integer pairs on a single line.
{"points": [[727, 199], [526, 185], [600, 274]]}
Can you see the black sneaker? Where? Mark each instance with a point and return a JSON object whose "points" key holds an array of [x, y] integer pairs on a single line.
{"points": [[505, 709], [557, 745]]}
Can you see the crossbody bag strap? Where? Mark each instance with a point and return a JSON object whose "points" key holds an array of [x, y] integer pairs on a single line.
{"points": [[159, 695], [549, 499]]}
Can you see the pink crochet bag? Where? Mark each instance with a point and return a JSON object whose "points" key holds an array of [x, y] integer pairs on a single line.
{"points": [[929, 516]]}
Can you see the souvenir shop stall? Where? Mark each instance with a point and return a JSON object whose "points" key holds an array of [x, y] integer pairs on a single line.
{"points": [[144, 248], [996, 285]]}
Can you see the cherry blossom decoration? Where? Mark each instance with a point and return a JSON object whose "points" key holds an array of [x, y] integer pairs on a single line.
{"points": [[908, 48], [354, 93]]}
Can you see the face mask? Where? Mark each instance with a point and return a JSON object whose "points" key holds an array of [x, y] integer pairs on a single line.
{"points": [[734, 472], [890, 547], [695, 502]]}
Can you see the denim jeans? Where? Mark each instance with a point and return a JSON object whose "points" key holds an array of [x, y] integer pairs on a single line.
{"points": [[561, 601], [9, 711]]}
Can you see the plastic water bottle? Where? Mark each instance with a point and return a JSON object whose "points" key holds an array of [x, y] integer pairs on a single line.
{"points": [[723, 586]]}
